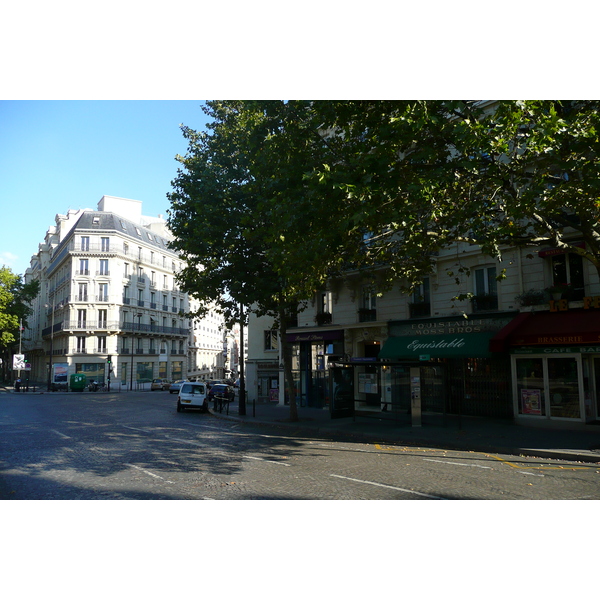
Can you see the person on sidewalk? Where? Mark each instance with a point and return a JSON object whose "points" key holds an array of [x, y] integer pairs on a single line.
{"points": [[18, 384]]}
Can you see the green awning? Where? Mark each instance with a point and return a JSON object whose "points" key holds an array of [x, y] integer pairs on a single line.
{"points": [[469, 345]]}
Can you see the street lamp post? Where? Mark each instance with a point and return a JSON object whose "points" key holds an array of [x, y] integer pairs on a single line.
{"points": [[139, 316]]}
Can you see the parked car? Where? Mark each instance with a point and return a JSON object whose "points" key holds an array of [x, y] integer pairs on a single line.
{"points": [[221, 390], [192, 395], [212, 382], [160, 384], [176, 386]]}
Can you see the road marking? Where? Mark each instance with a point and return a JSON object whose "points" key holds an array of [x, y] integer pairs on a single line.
{"points": [[275, 462], [391, 487], [535, 474], [447, 462], [136, 429], [148, 473], [62, 435]]}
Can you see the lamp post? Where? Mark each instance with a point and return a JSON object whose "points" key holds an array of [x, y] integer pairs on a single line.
{"points": [[139, 316]]}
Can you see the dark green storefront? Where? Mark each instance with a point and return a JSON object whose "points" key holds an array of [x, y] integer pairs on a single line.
{"points": [[459, 373]]}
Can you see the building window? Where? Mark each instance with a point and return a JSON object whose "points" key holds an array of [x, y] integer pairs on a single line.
{"points": [[81, 344], [420, 305], [102, 318], [85, 243], [486, 290], [81, 318], [102, 343], [103, 266], [103, 292], [126, 294], [271, 340], [82, 292], [84, 266], [568, 269], [368, 309], [140, 297], [323, 316], [105, 244]]}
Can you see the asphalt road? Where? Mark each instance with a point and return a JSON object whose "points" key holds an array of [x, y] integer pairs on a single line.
{"points": [[136, 446]]}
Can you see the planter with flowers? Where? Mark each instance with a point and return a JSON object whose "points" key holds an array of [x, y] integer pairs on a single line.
{"points": [[559, 290]]}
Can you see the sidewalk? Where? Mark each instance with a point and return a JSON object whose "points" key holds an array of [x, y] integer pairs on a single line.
{"points": [[464, 433]]}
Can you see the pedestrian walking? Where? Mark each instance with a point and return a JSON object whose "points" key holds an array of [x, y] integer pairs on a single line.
{"points": [[18, 384]]}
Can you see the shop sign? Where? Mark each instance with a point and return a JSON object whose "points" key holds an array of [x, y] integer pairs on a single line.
{"points": [[563, 304], [272, 366], [448, 326], [557, 350], [315, 336]]}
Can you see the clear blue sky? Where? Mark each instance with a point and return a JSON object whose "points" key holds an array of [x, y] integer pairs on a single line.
{"points": [[57, 155]]}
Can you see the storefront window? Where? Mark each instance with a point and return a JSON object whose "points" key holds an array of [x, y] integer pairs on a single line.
{"points": [[530, 386], [162, 369], [177, 370], [563, 387]]}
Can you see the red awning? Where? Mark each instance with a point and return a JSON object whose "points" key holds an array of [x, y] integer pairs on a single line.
{"points": [[500, 342], [549, 329]]}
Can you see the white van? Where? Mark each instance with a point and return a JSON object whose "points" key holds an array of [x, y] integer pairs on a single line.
{"points": [[193, 395]]}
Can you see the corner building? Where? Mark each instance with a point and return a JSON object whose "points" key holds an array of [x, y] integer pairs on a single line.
{"points": [[109, 306], [510, 351]]}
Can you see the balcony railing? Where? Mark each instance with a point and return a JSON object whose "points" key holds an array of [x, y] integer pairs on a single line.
{"points": [[419, 309], [485, 302], [367, 314]]}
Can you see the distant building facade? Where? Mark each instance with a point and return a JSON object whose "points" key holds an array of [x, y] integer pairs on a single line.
{"points": [[109, 305]]}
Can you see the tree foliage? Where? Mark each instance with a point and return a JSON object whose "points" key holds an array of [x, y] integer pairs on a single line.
{"points": [[420, 176], [15, 307], [225, 218]]}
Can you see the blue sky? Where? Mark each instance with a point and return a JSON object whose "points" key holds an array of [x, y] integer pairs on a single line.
{"points": [[57, 155]]}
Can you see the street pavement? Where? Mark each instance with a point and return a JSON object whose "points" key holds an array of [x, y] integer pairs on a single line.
{"points": [[581, 443], [450, 432]]}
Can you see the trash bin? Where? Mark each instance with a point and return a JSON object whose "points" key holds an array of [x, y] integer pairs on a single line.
{"points": [[78, 382]]}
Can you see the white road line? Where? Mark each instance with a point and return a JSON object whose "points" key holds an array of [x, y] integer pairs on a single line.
{"points": [[136, 429], [148, 472], [391, 487], [275, 462], [168, 437], [528, 473], [62, 435], [447, 462]]}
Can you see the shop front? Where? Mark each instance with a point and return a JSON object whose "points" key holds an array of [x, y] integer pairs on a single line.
{"points": [[555, 363], [457, 371], [311, 353]]}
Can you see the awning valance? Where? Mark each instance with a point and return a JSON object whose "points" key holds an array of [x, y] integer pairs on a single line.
{"points": [[550, 329]]}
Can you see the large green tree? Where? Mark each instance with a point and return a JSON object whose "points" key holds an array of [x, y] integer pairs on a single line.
{"points": [[419, 176], [225, 213], [15, 306]]}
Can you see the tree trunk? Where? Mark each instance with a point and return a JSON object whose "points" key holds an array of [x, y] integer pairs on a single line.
{"points": [[286, 356]]}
